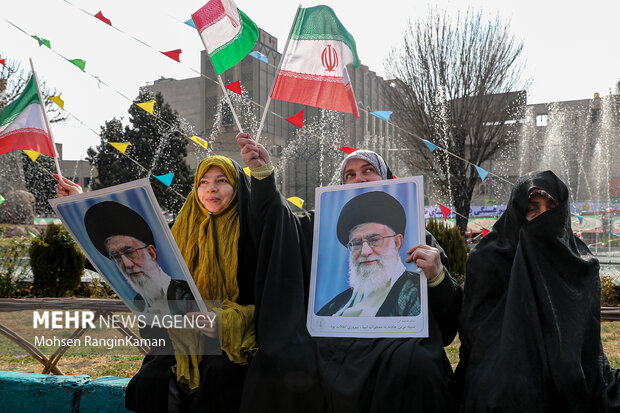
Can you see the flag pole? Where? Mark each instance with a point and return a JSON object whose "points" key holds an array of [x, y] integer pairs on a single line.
{"points": [[219, 79], [262, 120], [47, 122]]}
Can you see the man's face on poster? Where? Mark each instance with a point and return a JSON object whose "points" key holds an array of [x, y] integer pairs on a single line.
{"points": [[136, 260], [373, 255]]}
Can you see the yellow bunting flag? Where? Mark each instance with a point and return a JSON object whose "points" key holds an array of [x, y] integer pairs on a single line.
{"points": [[298, 202], [148, 106], [247, 170], [33, 155], [57, 100], [120, 146], [200, 142]]}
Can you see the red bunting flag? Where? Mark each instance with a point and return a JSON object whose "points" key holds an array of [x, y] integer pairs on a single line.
{"points": [[297, 119], [174, 54], [104, 19], [445, 211], [347, 149], [485, 232], [3, 62], [235, 87]]}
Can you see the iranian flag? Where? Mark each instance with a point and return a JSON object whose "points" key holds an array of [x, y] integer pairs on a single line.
{"points": [[23, 125], [227, 33], [313, 70]]}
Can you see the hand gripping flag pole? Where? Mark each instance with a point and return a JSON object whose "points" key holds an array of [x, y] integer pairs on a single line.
{"points": [[262, 120], [47, 122]]}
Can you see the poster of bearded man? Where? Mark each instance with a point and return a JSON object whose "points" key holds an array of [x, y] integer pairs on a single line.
{"points": [[361, 284], [124, 234]]}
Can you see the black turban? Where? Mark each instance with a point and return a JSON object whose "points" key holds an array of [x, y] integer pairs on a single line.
{"points": [[373, 206], [107, 219]]}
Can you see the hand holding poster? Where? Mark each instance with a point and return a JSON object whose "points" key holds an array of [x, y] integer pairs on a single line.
{"points": [[361, 285]]}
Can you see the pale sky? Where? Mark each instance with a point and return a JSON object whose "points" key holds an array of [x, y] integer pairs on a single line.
{"points": [[571, 50]]}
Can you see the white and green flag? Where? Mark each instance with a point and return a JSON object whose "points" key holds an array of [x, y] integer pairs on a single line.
{"points": [[228, 34], [23, 125]]}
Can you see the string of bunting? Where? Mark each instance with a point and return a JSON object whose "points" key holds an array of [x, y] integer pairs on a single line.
{"points": [[296, 119]]}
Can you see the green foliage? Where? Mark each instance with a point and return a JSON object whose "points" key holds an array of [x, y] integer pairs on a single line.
{"points": [[57, 262], [145, 134], [11, 271], [454, 246], [39, 182], [610, 292]]}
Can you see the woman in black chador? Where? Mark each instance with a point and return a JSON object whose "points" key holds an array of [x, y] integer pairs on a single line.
{"points": [[530, 324]]}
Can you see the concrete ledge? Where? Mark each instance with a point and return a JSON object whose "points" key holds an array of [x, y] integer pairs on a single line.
{"points": [[29, 392], [59, 394], [105, 394]]}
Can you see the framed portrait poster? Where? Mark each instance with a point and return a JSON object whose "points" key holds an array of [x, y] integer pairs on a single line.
{"points": [[361, 285], [123, 233]]}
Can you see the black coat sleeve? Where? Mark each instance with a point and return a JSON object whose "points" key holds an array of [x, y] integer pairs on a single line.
{"points": [[284, 242], [445, 299]]}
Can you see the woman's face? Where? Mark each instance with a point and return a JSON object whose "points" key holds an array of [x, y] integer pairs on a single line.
{"points": [[536, 205], [214, 190]]}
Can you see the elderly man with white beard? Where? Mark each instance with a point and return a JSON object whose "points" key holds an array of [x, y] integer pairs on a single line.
{"points": [[371, 227], [122, 235]]}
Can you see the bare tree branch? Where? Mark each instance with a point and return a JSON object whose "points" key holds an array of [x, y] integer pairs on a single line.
{"points": [[455, 81]]}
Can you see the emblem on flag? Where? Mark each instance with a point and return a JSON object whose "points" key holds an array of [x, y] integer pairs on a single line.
{"points": [[329, 58]]}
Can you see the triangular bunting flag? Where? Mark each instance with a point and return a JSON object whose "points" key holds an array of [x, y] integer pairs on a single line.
{"points": [[103, 19], [190, 23], [174, 54], [57, 100], [259, 56], [483, 173], [1, 199], [394, 176], [382, 114], [42, 41], [3, 62], [120, 146], [297, 119], [31, 234], [79, 63], [612, 233], [200, 142], [485, 232], [295, 200], [166, 179], [445, 211], [431, 147], [347, 149], [148, 106], [33, 155], [579, 217], [247, 170], [234, 87]]}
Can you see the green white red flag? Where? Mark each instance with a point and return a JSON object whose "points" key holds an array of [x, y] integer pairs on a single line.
{"points": [[23, 125], [227, 33], [313, 70]]}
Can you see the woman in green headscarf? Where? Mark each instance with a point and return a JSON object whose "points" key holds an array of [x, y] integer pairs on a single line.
{"points": [[213, 236]]}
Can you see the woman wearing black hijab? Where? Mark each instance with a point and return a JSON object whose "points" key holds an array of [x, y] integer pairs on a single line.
{"points": [[530, 324], [294, 372]]}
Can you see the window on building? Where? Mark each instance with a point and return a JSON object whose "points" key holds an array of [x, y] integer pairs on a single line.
{"points": [[227, 116], [594, 115], [542, 119]]}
